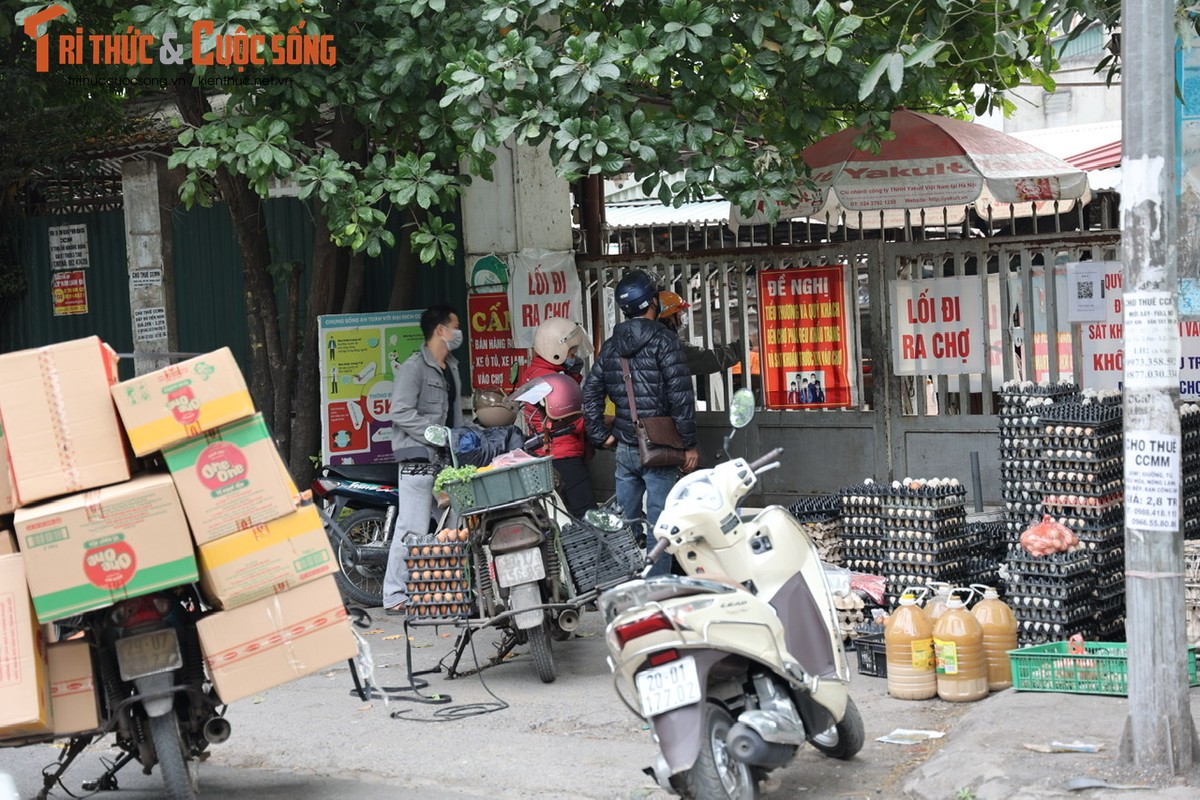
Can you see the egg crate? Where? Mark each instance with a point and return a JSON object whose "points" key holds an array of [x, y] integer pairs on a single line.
{"points": [[432, 610], [1022, 563], [1020, 454], [595, 557], [431, 556], [1075, 472], [817, 508], [1088, 507], [1092, 459], [932, 541], [1057, 435], [1078, 613], [1111, 557], [1024, 511], [916, 511], [903, 576], [1030, 633], [926, 496], [869, 566], [1094, 415], [1096, 490], [1039, 590], [1016, 428], [1010, 473]]}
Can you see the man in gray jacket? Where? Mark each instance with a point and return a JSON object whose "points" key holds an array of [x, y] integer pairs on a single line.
{"points": [[425, 391]]}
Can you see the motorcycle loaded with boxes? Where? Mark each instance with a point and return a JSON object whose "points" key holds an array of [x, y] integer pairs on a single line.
{"points": [[146, 594]]}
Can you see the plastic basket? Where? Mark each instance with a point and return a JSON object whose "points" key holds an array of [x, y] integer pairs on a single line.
{"points": [[1101, 669], [501, 486], [595, 557], [872, 655]]}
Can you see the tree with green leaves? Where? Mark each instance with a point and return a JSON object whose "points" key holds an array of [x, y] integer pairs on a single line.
{"points": [[724, 94]]}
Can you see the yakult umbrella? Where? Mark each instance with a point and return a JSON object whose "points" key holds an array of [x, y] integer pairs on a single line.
{"points": [[932, 163]]}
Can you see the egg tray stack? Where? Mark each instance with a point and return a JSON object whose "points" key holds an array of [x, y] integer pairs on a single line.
{"points": [[821, 518], [984, 562], [1083, 488], [1022, 404], [1050, 595], [862, 527], [926, 537], [438, 583], [1189, 419]]}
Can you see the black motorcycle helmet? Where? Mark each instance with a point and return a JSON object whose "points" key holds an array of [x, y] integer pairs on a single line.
{"points": [[636, 292]]}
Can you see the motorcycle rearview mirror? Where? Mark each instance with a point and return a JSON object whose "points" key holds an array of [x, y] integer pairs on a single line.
{"points": [[441, 436], [604, 520], [741, 411], [438, 435], [741, 408]]}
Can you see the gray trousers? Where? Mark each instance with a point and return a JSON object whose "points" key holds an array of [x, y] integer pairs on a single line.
{"points": [[412, 517]]}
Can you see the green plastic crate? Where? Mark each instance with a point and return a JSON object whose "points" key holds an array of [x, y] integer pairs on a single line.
{"points": [[501, 486], [1101, 669]]}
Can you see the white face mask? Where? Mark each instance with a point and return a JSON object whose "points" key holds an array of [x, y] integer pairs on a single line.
{"points": [[455, 340]]}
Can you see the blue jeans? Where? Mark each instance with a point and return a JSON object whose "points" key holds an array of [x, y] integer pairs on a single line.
{"points": [[635, 482]]}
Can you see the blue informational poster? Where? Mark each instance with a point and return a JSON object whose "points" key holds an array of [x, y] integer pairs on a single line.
{"points": [[359, 355]]}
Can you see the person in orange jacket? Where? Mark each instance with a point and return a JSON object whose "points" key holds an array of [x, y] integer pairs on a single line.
{"points": [[559, 347]]}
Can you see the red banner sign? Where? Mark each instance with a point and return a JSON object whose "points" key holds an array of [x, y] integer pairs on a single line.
{"points": [[69, 292], [805, 338], [492, 350]]}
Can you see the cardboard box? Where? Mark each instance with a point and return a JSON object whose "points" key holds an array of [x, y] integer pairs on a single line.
{"points": [[59, 421], [8, 543], [266, 559], [89, 550], [8, 498], [183, 400], [72, 688], [230, 479], [276, 639], [24, 688]]}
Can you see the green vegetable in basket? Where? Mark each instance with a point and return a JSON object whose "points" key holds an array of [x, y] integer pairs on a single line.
{"points": [[449, 474]]}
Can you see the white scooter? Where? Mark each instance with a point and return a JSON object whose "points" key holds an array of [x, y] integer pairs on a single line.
{"points": [[740, 663]]}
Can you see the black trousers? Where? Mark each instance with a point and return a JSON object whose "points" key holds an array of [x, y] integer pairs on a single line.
{"points": [[576, 489]]}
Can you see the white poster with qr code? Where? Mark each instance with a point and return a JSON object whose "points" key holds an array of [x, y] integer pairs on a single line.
{"points": [[1085, 291]]}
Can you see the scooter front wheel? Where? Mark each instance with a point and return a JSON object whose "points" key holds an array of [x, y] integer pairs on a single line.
{"points": [[845, 739], [716, 775]]}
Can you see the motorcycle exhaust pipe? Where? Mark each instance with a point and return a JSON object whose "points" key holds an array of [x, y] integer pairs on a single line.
{"points": [[568, 620], [217, 730], [747, 746]]}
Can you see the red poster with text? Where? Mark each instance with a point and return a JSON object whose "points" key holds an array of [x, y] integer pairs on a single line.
{"points": [[805, 361], [492, 350]]}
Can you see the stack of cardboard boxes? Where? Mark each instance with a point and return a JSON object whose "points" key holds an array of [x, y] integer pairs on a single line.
{"points": [[91, 529]]}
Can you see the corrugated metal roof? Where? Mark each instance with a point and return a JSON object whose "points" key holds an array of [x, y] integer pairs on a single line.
{"points": [[1105, 156], [644, 215]]}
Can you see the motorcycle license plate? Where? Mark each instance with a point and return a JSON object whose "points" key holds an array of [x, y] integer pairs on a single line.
{"points": [[523, 566], [148, 654], [670, 686]]}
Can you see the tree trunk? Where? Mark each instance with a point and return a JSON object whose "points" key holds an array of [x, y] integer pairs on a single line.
{"points": [[268, 381], [408, 270], [327, 295]]}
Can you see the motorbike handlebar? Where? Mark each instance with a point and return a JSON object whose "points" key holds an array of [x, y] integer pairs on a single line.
{"points": [[660, 547], [762, 461]]}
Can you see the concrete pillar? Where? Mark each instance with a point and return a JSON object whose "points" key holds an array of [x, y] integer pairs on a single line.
{"points": [[527, 206], [149, 201]]}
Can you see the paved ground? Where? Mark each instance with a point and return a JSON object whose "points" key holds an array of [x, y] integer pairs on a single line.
{"points": [[574, 739]]}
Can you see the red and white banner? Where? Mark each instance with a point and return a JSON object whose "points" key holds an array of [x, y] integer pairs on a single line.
{"points": [[806, 340], [541, 285], [492, 351], [939, 327]]}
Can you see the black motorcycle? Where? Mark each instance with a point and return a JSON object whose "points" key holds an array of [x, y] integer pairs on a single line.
{"points": [[152, 691]]}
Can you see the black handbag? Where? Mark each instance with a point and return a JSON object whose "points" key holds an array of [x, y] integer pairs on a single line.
{"points": [[659, 442]]}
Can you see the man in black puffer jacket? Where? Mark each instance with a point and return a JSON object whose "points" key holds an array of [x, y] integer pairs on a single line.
{"points": [[662, 387]]}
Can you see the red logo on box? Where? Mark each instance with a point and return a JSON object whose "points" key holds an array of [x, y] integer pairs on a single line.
{"points": [[111, 566], [220, 464], [184, 406]]}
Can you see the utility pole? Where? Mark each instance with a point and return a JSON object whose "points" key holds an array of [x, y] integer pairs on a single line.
{"points": [[1159, 730]]}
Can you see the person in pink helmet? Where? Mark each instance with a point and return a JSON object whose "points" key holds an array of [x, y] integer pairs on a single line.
{"points": [[559, 347]]}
